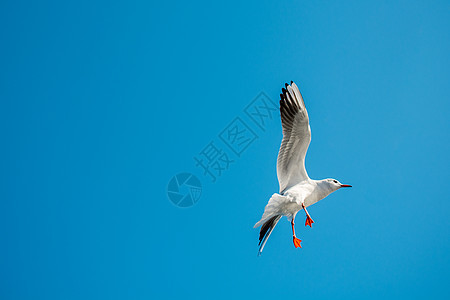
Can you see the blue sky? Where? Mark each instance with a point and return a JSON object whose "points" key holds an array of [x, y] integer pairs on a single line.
{"points": [[103, 103]]}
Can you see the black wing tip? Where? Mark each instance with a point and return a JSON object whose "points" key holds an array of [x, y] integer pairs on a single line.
{"points": [[287, 84]]}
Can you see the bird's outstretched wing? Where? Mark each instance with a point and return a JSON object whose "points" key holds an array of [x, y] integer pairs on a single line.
{"points": [[296, 138]]}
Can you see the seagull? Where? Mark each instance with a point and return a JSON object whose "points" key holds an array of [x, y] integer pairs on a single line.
{"points": [[297, 190]]}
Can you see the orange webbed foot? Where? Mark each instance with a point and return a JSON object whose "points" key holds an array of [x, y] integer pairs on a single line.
{"points": [[297, 242], [309, 221]]}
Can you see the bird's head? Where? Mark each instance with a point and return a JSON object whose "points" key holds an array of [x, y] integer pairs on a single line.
{"points": [[334, 184]]}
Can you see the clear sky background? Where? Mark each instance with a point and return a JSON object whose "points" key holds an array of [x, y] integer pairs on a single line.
{"points": [[102, 102]]}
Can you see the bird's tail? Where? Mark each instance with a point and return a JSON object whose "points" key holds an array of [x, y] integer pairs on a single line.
{"points": [[266, 230]]}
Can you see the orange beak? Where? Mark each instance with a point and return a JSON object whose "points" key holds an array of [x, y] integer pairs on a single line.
{"points": [[346, 185]]}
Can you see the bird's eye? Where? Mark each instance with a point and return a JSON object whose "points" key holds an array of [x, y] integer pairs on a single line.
{"points": [[335, 181]]}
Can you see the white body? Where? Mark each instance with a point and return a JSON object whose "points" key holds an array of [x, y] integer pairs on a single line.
{"points": [[306, 192]]}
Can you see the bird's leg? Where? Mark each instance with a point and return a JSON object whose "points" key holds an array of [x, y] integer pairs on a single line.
{"points": [[309, 221], [296, 240]]}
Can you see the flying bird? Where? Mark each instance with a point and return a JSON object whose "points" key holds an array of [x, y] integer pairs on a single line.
{"points": [[297, 190]]}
